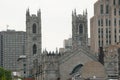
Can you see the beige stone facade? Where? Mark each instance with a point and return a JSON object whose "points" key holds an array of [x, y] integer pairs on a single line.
{"points": [[105, 24], [93, 70], [111, 61], [71, 59]]}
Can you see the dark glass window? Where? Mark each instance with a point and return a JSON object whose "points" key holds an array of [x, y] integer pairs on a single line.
{"points": [[119, 11], [24, 65], [101, 9], [119, 2], [102, 30], [99, 36], [102, 36], [106, 30], [109, 23], [115, 22], [98, 30], [80, 29], [109, 36], [115, 30], [102, 42], [115, 38], [34, 28], [98, 22], [109, 41], [106, 22], [119, 38], [115, 11], [99, 43], [119, 22], [106, 41], [106, 36], [34, 49], [107, 9], [113, 2], [101, 22], [24, 72]]}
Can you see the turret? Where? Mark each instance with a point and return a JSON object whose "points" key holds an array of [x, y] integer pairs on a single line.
{"points": [[39, 13], [27, 14]]}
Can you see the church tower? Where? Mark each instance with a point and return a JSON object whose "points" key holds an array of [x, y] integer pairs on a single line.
{"points": [[33, 46], [33, 30], [79, 29]]}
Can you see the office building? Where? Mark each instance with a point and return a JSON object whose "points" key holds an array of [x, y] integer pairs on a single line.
{"points": [[12, 45], [105, 24]]}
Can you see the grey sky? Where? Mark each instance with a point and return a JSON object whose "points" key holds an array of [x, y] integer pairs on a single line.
{"points": [[56, 17]]}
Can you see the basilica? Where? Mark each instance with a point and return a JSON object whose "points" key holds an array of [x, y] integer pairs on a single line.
{"points": [[77, 63]]}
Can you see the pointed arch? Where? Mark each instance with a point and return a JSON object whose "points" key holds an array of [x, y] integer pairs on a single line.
{"points": [[34, 28], [34, 49], [80, 28]]}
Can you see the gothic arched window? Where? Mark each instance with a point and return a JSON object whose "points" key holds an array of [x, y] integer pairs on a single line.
{"points": [[80, 28], [34, 28], [34, 49]]}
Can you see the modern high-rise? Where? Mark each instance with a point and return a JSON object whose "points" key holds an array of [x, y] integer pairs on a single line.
{"points": [[12, 45], [68, 43], [105, 24]]}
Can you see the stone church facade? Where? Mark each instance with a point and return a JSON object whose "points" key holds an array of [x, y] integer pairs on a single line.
{"points": [[55, 65]]}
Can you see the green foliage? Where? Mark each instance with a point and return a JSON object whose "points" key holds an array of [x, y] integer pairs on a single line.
{"points": [[5, 74]]}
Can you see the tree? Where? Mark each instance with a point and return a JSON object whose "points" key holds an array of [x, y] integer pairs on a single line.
{"points": [[5, 74]]}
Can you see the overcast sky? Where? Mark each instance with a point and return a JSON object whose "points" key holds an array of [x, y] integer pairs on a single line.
{"points": [[56, 17]]}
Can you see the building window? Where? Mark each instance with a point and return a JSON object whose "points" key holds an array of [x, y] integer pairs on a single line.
{"points": [[109, 23], [109, 36], [119, 11], [119, 38], [24, 72], [99, 43], [34, 28], [106, 30], [98, 30], [115, 22], [34, 49], [80, 29], [106, 41], [24, 65], [119, 22], [102, 42], [119, 2], [113, 2], [115, 39], [98, 22], [102, 33], [106, 22], [99, 36], [101, 22], [115, 30], [106, 36], [115, 11], [107, 9], [101, 9], [109, 41]]}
